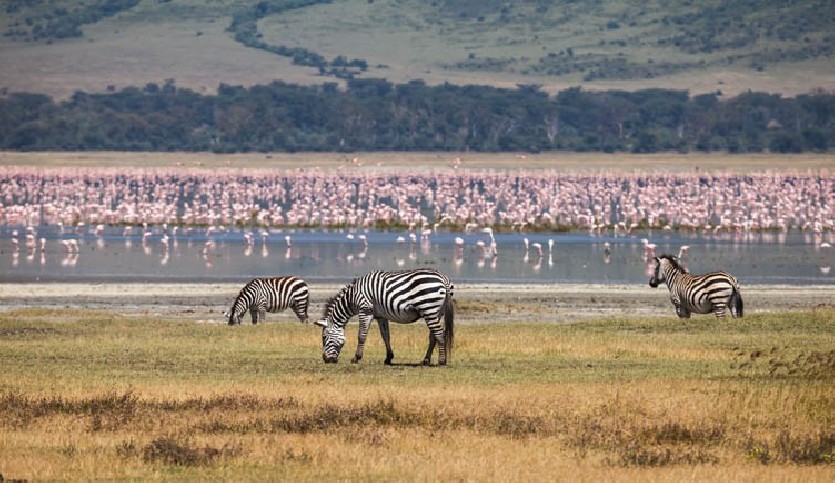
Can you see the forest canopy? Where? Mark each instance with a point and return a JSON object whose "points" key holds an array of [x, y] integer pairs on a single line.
{"points": [[376, 115]]}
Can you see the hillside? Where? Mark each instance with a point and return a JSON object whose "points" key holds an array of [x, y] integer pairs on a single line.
{"points": [[59, 46]]}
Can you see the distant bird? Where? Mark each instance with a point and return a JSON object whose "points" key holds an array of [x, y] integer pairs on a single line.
{"points": [[207, 247], [607, 249], [287, 241], [71, 245]]}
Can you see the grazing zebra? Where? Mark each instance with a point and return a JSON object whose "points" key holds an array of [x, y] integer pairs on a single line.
{"points": [[401, 296], [262, 295], [701, 294]]}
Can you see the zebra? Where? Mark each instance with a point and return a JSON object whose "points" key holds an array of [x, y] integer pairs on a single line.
{"points": [[262, 295], [700, 294], [401, 296]]}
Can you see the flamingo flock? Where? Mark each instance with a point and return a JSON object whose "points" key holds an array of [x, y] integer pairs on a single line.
{"points": [[519, 199]]}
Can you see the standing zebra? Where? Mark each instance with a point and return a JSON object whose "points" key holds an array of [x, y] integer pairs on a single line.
{"points": [[262, 295], [701, 294], [401, 296]]}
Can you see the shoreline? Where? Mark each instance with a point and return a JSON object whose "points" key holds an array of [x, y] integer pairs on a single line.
{"points": [[476, 303], [359, 162]]}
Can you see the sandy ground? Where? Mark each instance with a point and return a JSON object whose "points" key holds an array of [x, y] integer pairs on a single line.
{"points": [[382, 161], [477, 303]]}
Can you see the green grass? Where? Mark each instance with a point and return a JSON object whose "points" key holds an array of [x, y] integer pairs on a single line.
{"points": [[457, 42], [90, 394], [87, 347]]}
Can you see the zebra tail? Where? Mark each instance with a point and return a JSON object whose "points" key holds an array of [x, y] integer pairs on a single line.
{"points": [[738, 300], [449, 324]]}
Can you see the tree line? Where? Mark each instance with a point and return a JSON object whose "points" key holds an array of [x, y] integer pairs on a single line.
{"points": [[376, 115]]}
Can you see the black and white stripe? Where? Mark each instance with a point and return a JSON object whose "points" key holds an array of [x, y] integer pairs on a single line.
{"points": [[262, 295], [401, 296], [700, 294]]}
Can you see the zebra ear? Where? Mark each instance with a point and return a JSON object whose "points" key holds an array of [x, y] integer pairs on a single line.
{"points": [[322, 323], [225, 313]]}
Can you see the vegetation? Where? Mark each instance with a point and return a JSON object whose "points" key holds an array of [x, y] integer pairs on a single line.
{"points": [[245, 27], [363, 112], [611, 39], [375, 115], [91, 394], [42, 20]]}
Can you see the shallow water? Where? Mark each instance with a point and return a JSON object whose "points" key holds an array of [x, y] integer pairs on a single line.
{"points": [[330, 256]]}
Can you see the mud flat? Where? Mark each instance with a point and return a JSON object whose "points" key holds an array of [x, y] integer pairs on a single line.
{"points": [[477, 303]]}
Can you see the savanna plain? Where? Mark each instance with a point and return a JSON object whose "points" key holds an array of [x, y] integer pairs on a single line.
{"points": [[96, 393], [545, 383]]}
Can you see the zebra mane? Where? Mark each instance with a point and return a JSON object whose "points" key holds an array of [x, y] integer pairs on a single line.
{"points": [[332, 301], [674, 261]]}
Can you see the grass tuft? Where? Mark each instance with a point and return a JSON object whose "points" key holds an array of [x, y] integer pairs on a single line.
{"points": [[174, 451]]}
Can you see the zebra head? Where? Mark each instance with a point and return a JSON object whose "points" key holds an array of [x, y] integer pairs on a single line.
{"points": [[233, 319], [337, 312], [656, 278], [663, 266], [333, 339], [237, 311]]}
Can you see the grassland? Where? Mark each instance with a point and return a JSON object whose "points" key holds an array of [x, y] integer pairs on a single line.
{"points": [[96, 395], [402, 40]]}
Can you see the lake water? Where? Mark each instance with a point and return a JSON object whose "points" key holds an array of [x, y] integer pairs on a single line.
{"points": [[331, 256]]}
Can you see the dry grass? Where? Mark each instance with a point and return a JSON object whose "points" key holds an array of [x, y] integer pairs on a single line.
{"points": [[88, 394], [574, 162]]}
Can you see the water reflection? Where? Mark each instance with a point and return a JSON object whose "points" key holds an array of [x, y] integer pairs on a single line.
{"points": [[219, 254]]}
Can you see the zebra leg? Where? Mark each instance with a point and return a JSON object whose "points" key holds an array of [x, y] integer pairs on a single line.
{"points": [[384, 332], [262, 315], [365, 322], [427, 359], [436, 336], [682, 311], [719, 310], [254, 314]]}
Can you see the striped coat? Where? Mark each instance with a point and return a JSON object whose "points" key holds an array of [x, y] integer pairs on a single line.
{"points": [[262, 295], [401, 296], [713, 292]]}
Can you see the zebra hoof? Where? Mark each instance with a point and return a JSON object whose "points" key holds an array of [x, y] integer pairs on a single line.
{"points": [[354, 360], [425, 362]]}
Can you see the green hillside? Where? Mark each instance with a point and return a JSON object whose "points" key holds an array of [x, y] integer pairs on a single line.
{"points": [[60, 46]]}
